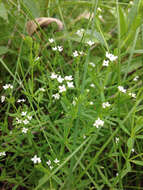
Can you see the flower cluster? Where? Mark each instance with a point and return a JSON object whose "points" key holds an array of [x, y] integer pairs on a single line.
{"points": [[37, 160], [110, 57], [8, 86], [98, 123], [56, 161], [67, 80], [106, 104], [80, 32], [25, 120], [77, 53], [123, 90], [57, 48]]}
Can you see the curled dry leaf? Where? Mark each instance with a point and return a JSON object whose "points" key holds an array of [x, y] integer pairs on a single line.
{"points": [[32, 25]]}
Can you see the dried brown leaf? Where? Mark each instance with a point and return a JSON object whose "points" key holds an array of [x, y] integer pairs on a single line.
{"points": [[32, 25]]}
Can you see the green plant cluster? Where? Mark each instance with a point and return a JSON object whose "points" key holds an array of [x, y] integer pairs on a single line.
{"points": [[71, 101]]}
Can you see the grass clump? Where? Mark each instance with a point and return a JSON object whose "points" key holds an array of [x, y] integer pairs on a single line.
{"points": [[71, 101]]}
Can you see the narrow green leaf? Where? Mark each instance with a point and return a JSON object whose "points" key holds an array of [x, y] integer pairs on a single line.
{"points": [[3, 12], [3, 50], [137, 162]]}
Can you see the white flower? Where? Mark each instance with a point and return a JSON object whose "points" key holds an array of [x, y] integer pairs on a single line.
{"points": [[106, 104], [56, 161], [2, 154], [54, 48], [116, 139], [133, 95], [56, 96], [91, 103], [136, 78], [8, 86], [80, 32], [70, 84], [87, 90], [81, 52], [92, 64], [90, 43], [133, 150], [21, 100], [24, 130], [36, 159], [74, 102], [98, 123], [105, 63], [25, 121], [48, 162], [131, 3], [51, 167], [2, 99], [53, 76], [60, 79], [29, 117], [37, 58], [42, 89], [84, 137], [100, 16], [68, 78], [92, 85], [75, 54], [18, 120], [62, 88], [51, 40], [99, 9], [60, 48], [24, 113], [111, 57], [121, 89]]}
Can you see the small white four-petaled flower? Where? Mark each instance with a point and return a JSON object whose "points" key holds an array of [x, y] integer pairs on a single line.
{"points": [[75, 54], [62, 88], [56, 161], [60, 79], [51, 40], [2, 99], [48, 162], [105, 63], [68, 78], [90, 43], [56, 96], [24, 130], [111, 57], [70, 84], [36, 159], [2, 154], [121, 89], [24, 113], [53, 76]]}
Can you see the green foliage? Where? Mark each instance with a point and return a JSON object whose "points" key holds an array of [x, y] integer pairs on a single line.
{"points": [[80, 117]]}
